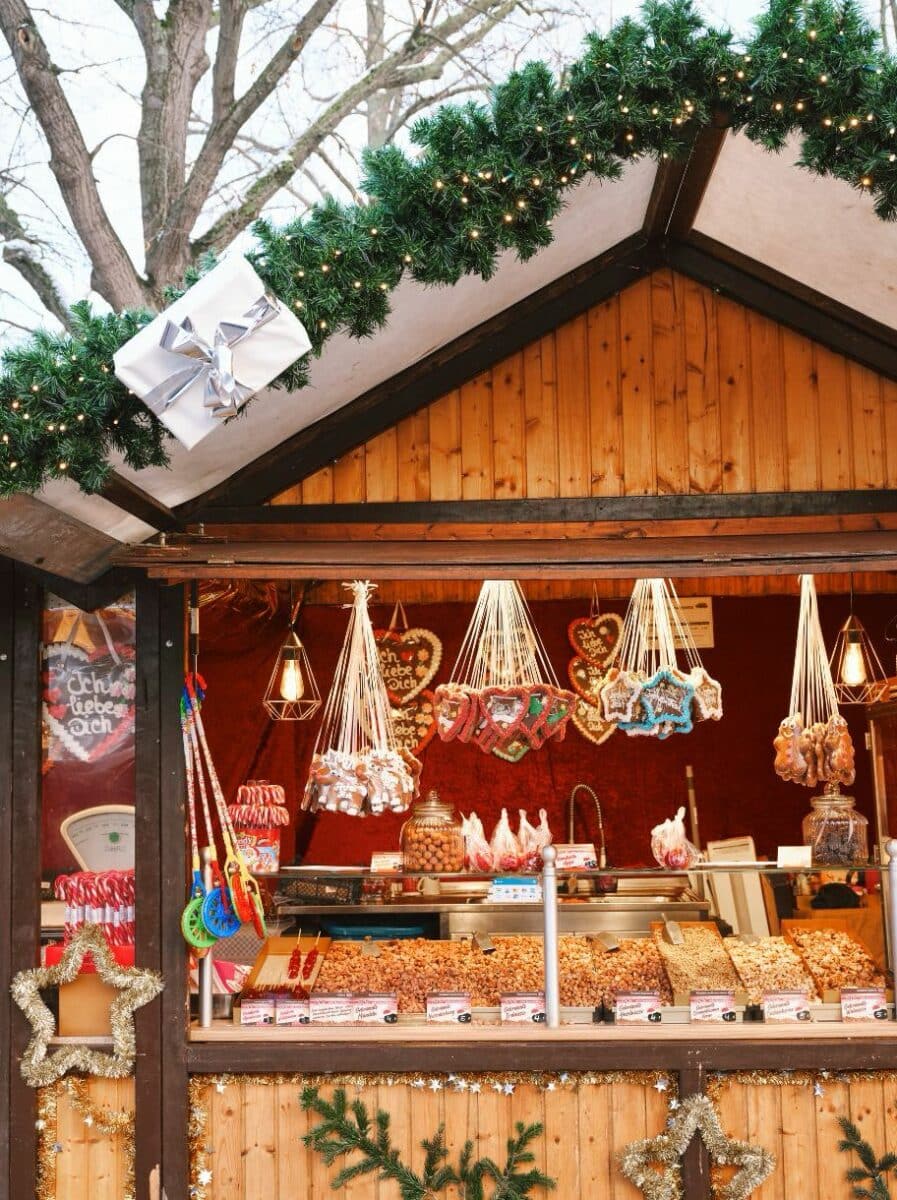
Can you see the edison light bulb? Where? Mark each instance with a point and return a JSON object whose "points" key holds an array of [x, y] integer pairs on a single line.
{"points": [[853, 665], [293, 685]]}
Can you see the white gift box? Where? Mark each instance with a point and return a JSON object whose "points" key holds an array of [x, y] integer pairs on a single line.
{"points": [[206, 354]]}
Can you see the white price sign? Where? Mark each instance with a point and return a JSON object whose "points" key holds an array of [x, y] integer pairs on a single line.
{"points": [[779, 1007], [637, 1008]]}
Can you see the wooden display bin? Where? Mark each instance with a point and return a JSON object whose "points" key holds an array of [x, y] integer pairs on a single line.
{"points": [[85, 1002]]}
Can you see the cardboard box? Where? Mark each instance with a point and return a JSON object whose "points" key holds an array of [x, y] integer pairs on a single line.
{"points": [[85, 1002]]}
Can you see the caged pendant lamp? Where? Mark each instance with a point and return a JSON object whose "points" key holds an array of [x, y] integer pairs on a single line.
{"points": [[856, 668], [292, 693]]}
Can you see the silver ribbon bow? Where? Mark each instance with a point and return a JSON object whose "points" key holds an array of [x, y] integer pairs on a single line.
{"points": [[223, 391]]}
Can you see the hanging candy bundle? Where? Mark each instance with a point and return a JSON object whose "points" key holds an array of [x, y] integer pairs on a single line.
{"points": [[234, 896], [813, 744], [503, 694], [357, 766], [104, 898], [647, 693]]}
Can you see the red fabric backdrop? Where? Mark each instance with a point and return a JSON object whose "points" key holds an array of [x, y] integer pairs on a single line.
{"points": [[640, 780]]}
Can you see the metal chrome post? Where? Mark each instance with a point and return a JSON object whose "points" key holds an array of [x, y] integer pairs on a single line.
{"points": [[891, 851], [204, 964], [550, 937]]}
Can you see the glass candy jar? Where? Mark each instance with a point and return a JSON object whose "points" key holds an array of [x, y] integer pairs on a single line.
{"points": [[837, 833], [431, 837]]}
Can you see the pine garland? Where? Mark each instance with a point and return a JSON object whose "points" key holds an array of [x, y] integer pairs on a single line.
{"points": [[485, 179], [347, 1129], [870, 1178]]}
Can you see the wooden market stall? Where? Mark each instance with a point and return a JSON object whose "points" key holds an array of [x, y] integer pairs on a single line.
{"points": [[670, 404]]}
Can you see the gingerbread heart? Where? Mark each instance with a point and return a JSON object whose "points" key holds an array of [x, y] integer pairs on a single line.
{"points": [[590, 722], [596, 638], [455, 707], [502, 711], [586, 679], [414, 724], [409, 660]]}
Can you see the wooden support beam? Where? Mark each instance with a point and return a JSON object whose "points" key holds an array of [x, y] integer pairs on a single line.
{"points": [[451, 365], [549, 510], [680, 184], [816, 316], [7, 706], [134, 500]]}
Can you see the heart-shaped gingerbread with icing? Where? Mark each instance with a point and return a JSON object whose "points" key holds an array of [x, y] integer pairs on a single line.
{"points": [[409, 660], [589, 720], [586, 679], [414, 724], [596, 638]]}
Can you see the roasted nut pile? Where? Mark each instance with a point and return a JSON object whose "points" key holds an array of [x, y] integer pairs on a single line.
{"points": [[701, 962], [416, 967], [769, 965], [835, 960]]}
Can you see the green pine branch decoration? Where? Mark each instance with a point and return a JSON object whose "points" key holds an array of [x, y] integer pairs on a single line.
{"points": [[347, 1129], [870, 1178], [489, 178]]}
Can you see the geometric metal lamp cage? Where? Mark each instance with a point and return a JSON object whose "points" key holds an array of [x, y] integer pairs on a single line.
{"points": [[857, 672], [292, 693]]}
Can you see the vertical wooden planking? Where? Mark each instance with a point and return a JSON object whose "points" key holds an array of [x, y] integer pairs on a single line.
{"points": [[868, 427], [889, 422], [460, 1111], [636, 391], [594, 1138], [319, 1174], [767, 405], [381, 467], [445, 447], [803, 427], [889, 1107], [105, 1150], [628, 1123], [573, 408], [764, 1123], [508, 429], [561, 1158], [799, 1152], [292, 1157], [830, 1162], [73, 1162], [835, 438], [259, 1141], [291, 495], [318, 488], [226, 1141], [732, 1108], [670, 390], [540, 410], [605, 405], [476, 438], [349, 483], [702, 383], [867, 1109], [413, 437], [736, 428]]}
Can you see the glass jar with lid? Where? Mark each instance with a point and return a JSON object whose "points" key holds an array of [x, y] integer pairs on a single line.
{"points": [[838, 834], [432, 838]]}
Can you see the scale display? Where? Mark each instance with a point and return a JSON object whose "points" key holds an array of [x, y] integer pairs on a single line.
{"points": [[101, 839]]}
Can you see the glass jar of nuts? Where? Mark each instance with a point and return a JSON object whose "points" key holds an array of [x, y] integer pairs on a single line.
{"points": [[431, 837], [835, 830]]}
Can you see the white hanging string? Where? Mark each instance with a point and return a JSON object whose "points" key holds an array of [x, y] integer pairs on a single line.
{"points": [[501, 647], [813, 694], [357, 714], [654, 628]]}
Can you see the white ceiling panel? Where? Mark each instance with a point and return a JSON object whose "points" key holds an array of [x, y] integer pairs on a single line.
{"points": [[820, 232]]}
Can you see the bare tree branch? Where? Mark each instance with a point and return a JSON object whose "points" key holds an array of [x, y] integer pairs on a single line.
{"points": [[17, 253], [172, 254], [386, 74], [113, 274]]}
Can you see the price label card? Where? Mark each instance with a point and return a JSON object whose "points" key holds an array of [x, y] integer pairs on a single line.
{"points": [[522, 1008], [377, 1008], [576, 856], [331, 1008], [637, 1008], [258, 1012], [290, 1010], [864, 1004], [779, 1007], [449, 1008], [794, 858], [712, 1006], [386, 862]]}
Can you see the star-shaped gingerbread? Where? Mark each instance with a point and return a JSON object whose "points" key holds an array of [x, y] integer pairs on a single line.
{"points": [[696, 1114], [135, 988], [708, 695], [620, 695], [668, 697]]}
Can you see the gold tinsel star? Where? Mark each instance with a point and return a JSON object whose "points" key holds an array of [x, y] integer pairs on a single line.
{"points": [[696, 1114], [135, 988]]}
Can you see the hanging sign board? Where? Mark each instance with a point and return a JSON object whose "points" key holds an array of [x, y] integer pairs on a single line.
{"points": [[696, 614]]}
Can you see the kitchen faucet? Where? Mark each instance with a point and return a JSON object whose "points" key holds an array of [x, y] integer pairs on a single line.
{"points": [[571, 818]]}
